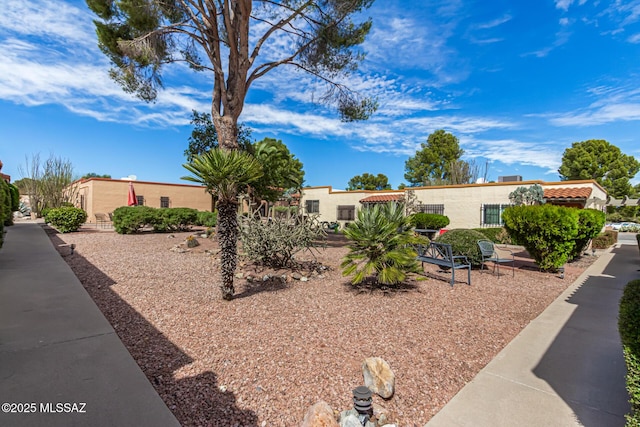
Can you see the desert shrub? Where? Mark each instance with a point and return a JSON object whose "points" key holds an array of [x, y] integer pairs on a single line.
{"points": [[629, 328], [464, 241], [207, 219], [44, 213], [4, 201], [380, 246], [429, 221], [274, 243], [174, 219], [130, 219], [66, 218], [495, 234], [590, 222], [613, 235], [546, 231], [601, 241], [15, 198], [7, 214]]}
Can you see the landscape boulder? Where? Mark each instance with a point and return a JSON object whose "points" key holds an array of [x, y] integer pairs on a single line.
{"points": [[378, 376]]}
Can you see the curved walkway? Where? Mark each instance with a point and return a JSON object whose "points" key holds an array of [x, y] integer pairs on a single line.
{"points": [[60, 359], [565, 368]]}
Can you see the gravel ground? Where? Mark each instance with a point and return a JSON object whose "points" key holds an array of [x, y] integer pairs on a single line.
{"points": [[277, 348]]}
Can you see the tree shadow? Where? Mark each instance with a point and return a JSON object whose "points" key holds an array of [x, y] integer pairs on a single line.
{"points": [[197, 400], [371, 286], [273, 284], [584, 363]]}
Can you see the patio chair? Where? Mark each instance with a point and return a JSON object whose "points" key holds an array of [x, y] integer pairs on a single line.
{"points": [[491, 253], [102, 220]]}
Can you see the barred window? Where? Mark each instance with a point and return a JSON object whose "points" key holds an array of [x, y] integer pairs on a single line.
{"points": [[492, 214], [140, 200], [346, 212], [312, 206], [164, 202], [431, 209]]}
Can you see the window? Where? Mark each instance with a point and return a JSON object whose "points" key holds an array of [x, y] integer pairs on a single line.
{"points": [[164, 202], [346, 213], [312, 206], [492, 214], [140, 200], [431, 209]]}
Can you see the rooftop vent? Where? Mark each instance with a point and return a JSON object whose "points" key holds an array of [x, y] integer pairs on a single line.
{"points": [[510, 178]]}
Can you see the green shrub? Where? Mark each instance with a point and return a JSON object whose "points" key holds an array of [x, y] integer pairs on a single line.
{"points": [[174, 219], [67, 218], [429, 221], [130, 219], [464, 241], [601, 241], [590, 222], [495, 234], [274, 243], [4, 201], [15, 198], [7, 214], [546, 231], [629, 328], [612, 234], [380, 246], [207, 219]]}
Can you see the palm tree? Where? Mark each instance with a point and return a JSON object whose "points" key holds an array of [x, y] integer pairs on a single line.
{"points": [[223, 172], [380, 246]]}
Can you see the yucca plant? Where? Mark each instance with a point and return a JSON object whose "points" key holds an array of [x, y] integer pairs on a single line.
{"points": [[224, 172], [381, 246]]}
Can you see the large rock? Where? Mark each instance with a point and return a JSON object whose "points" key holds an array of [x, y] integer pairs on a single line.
{"points": [[319, 415], [350, 421], [378, 376]]}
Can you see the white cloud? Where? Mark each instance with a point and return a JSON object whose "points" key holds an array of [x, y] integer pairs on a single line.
{"points": [[634, 38], [563, 4]]}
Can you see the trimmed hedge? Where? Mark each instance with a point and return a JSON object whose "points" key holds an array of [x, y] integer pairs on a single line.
{"points": [[131, 219], [67, 218], [629, 328], [590, 222], [174, 219], [428, 221], [464, 242], [495, 234], [207, 219], [546, 231]]}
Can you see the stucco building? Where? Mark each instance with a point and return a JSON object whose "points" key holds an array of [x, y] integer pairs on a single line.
{"points": [[467, 206], [103, 195]]}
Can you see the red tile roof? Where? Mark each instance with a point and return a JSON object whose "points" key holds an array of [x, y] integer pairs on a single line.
{"points": [[567, 193], [383, 198]]}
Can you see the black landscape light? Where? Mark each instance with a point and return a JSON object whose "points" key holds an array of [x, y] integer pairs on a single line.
{"points": [[363, 403], [561, 271]]}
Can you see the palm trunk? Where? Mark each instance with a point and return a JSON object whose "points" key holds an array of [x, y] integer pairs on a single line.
{"points": [[227, 239]]}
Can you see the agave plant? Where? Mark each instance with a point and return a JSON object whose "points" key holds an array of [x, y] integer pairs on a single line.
{"points": [[224, 172], [381, 246]]}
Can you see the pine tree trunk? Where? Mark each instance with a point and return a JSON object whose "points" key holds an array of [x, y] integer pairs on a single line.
{"points": [[228, 241]]}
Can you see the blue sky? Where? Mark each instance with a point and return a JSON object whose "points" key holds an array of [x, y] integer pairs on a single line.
{"points": [[516, 82]]}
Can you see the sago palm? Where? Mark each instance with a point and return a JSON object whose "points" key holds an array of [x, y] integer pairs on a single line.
{"points": [[224, 172], [381, 246]]}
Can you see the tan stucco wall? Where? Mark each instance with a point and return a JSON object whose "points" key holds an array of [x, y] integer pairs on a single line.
{"points": [[105, 195], [462, 203]]}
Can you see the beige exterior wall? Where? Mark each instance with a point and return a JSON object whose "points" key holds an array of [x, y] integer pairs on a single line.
{"points": [[463, 204], [101, 195]]}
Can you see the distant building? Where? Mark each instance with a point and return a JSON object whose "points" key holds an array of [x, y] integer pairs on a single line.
{"points": [[467, 206], [104, 195]]}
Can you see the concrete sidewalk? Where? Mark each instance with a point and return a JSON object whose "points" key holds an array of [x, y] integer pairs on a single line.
{"points": [[565, 368], [56, 347]]}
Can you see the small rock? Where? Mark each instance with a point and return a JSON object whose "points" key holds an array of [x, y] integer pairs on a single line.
{"points": [[304, 279], [350, 421], [266, 277], [171, 236], [296, 276], [378, 376], [319, 415], [239, 275], [222, 388]]}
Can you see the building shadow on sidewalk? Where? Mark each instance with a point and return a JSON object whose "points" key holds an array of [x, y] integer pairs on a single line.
{"points": [[197, 400], [584, 365]]}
